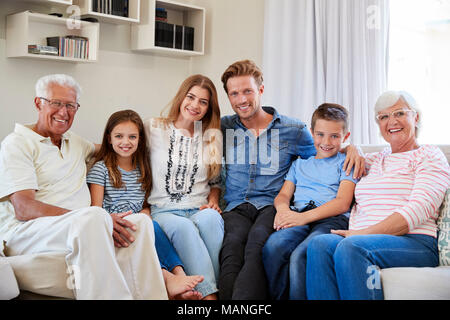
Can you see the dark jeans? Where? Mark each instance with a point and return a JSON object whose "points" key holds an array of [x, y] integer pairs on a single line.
{"points": [[284, 256], [242, 275], [168, 257]]}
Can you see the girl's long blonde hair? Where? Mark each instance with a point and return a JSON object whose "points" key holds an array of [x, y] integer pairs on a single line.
{"points": [[212, 135]]}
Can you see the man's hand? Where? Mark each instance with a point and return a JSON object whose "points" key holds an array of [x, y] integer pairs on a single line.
{"points": [[121, 236]]}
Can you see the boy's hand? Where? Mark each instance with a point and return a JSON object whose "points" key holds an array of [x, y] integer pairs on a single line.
{"points": [[281, 217], [355, 159], [291, 219]]}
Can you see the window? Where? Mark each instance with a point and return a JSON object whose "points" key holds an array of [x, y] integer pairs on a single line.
{"points": [[419, 61]]}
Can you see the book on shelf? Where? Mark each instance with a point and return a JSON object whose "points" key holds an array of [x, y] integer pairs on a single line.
{"points": [[188, 38], [113, 7], [174, 36], [70, 46], [178, 38], [40, 49], [164, 34]]}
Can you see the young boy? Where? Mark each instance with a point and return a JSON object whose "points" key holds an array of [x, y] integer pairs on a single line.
{"points": [[323, 194]]}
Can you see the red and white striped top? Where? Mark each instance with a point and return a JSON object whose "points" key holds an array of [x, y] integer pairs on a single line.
{"points": [[411, 183]]}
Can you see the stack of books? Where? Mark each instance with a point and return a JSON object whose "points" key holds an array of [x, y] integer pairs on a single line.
{"points": [[174, 36], [114, 7], [70, 46]]}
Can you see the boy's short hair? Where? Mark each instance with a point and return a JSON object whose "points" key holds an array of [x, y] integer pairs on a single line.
{"points": [[242, 68], [330, 112]]}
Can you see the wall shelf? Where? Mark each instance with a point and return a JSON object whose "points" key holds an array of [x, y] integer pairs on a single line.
{"points": [[51, 2], [87, 11], [143, 34], [26, 28]]}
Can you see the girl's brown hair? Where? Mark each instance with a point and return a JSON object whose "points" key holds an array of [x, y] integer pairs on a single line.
{"points": [[140, 157], [210, 122]]}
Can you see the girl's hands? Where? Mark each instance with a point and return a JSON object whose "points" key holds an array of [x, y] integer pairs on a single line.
{"points": [[121, 236]]}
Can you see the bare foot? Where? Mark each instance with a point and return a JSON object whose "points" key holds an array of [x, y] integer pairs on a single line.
{"points": [[180, 286], [189, 295], [212, 296]]}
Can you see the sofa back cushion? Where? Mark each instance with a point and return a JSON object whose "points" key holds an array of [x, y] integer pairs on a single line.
{"points": [[444, 231]]}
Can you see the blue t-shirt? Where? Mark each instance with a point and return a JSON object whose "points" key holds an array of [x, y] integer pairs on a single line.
{"points": [[317, 179], [129, 197]]}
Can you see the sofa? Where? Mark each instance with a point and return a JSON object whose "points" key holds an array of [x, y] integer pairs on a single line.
{"points": [[45, 275]]}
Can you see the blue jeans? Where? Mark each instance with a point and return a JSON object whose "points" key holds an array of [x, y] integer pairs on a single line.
{"points": [[348, 268], [197, 237], [284, 257], [168, 257]]}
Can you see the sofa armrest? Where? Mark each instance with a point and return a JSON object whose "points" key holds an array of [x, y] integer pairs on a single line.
{"points": [[9, 288]]}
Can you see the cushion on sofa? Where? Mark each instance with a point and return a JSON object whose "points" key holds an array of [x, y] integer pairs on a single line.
{"points": [[444, 231], [43, 273], [416, 283]]}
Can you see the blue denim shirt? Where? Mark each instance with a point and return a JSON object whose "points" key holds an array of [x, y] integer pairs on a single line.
{"points": [[256, 166]]}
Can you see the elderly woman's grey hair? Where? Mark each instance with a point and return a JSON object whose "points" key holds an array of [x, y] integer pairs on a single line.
{"points": [[389, 98], [60, 79]]}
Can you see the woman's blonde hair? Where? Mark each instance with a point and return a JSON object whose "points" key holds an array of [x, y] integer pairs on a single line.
{"points": [[212, 136]]}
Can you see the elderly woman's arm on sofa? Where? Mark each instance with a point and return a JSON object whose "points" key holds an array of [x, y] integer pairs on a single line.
{"points": [[26, 207], [395, 225]]}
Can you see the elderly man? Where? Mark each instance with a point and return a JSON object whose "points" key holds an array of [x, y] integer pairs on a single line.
{"points": [[45, 204]]}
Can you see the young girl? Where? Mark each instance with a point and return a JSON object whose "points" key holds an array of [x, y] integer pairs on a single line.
{"points": [[120, 181], [186, 158]]}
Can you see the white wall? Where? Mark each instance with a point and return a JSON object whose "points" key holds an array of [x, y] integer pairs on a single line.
{"points": [[120, 78]]}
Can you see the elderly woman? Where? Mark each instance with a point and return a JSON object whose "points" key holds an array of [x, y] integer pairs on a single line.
{"points": [[393, 223]]}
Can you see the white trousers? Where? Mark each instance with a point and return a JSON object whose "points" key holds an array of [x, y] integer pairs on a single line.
{"points": [[100, 270]]}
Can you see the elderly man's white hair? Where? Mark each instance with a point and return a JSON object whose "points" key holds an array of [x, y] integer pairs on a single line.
{"points": [[61, 79]]}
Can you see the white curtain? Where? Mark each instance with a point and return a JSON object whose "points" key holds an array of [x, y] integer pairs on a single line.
{"points": [[318, 51]]}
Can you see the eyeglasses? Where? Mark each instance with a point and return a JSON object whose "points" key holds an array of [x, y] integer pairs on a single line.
{"points": [[71, 107], [397, 114]]}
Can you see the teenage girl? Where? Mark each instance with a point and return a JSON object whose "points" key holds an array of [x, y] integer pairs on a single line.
{"points": [[120, 182]]}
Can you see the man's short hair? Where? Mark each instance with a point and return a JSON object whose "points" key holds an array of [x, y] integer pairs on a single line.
{"points": [[330, 112], [60, 79], [242, 68]]}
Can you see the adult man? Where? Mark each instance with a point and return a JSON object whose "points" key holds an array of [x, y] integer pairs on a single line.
{"points": [[260, 145], [45, 204]]}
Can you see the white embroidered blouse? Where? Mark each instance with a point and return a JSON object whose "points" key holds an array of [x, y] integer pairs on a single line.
{"points": [[179, 175]]}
